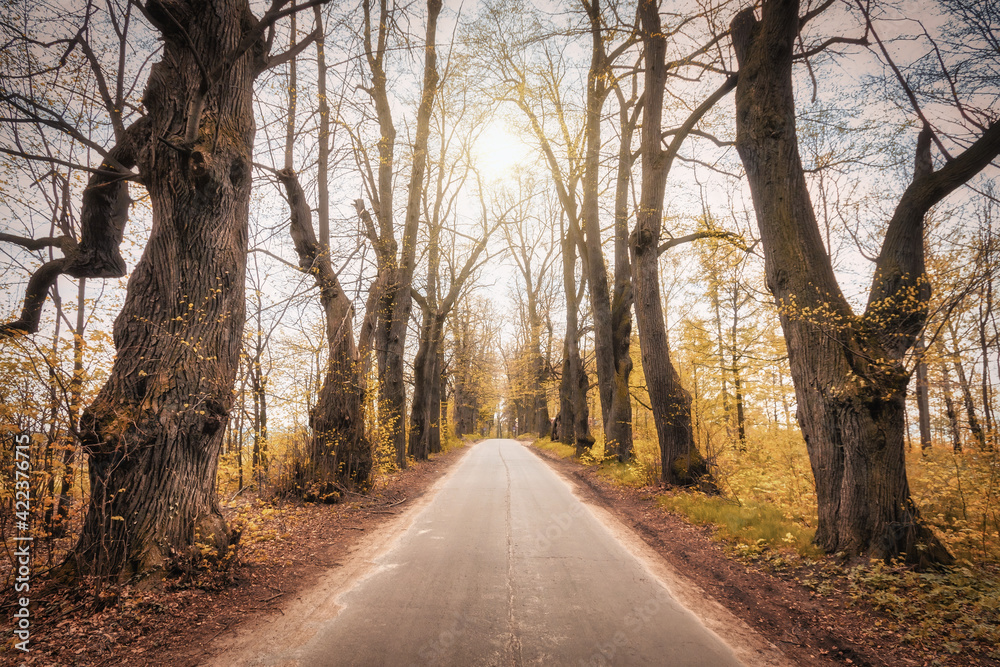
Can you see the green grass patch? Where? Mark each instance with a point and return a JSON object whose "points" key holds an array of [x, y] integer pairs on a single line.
{"points": [[558, 448], [753, 525], [633, 473]]}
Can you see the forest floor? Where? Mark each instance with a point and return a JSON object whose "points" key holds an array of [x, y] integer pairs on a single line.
{"points": [[287, 548], [777, 596]]}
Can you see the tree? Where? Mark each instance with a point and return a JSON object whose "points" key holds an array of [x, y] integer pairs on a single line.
{"points": [[533, 259], [681, 462], [611, 351], [533, 81], [154, 432], [475, 329], [848, 372], [339, 452], [428, 365], [392, 295]]}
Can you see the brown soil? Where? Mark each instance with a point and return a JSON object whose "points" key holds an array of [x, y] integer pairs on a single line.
{"points": [[810, 629], [176, 623]]}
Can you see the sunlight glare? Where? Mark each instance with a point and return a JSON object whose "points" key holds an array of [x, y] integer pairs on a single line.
{"points": [[498, 152]]}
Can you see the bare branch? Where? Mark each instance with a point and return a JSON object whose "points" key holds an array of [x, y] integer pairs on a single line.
{"points": [[731, 237]]}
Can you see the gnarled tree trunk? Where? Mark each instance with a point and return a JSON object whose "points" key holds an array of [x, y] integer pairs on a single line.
{"points": [[849, 378], [340, 454], [154, 432]]}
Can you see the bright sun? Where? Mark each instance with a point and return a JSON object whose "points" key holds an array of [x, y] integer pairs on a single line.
{"points": [[498, 152]]}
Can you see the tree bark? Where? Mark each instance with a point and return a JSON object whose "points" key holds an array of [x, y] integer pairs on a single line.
{"points": [[340, 454], [154, 432], [681, 462], [848, 374]]}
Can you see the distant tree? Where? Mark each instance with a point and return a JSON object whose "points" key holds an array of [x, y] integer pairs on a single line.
{"points": [[534, 256]]}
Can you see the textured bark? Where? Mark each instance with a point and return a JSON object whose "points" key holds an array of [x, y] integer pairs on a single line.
{"points": [[681, 463], [154, 432], [340, 455], [849, 379]]}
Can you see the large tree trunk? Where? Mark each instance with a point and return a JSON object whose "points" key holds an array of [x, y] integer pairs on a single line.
{"points": [[853, 427], [848, 373], [154, 432]]}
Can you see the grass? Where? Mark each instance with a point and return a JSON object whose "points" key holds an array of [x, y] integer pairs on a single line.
{"points": [[556, 447], [752, 524]]}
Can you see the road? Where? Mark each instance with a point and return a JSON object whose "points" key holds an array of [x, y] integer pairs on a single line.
{"points": [[504, 566]]}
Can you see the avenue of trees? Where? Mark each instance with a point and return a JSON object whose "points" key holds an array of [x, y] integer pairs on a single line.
{"points": [[291, 245]]}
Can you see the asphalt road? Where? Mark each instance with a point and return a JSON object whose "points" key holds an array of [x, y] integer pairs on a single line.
{"points": [[505, 566]]}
